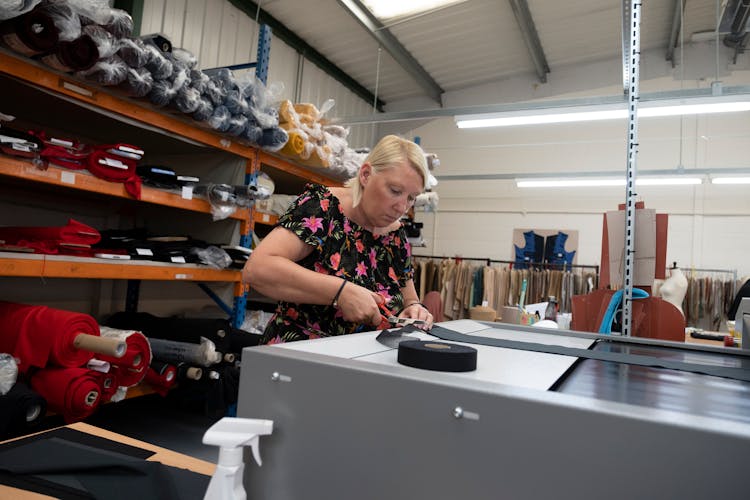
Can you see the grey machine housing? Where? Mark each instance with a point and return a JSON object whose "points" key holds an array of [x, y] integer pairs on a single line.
{"points": [[349, 428]]}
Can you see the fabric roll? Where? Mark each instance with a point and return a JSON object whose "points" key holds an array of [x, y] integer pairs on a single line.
{"points": [[76, 55], [21, 409], [109, 72], [40, 336], [161, 376], [134, 53], [115, 168], [203, 354], [138, 82], [219, 331], [48, 239], [273, 139], [295, 145], [13, 9], [109, 383], [75, 393], [131, 367], [30, 34]]}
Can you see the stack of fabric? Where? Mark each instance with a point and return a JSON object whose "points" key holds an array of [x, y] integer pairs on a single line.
{"points": [[46, 341], [96, 42], [314, 142]]}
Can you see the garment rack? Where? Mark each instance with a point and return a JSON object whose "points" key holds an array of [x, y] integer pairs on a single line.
{"points": [[495, 261]]}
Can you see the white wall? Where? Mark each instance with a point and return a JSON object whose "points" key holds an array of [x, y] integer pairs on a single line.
{"points": [[709, 225]]}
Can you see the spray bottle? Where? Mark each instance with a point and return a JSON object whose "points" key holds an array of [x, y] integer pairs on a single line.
{"points": [[231, 435]]}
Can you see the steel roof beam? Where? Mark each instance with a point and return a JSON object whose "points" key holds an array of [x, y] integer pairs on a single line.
{"points": [[675, 31], [390, 43], [530, 37]]}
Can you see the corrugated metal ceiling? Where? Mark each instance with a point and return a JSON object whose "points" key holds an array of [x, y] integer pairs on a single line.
{"points": [[480, 41]]}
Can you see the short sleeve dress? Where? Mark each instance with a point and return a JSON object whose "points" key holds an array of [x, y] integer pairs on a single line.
{"points": [[342, 248]]}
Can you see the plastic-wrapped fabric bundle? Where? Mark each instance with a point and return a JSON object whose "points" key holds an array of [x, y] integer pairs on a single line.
{"points": [[119, 23], [212, 256], [236, 103], [77, 55], [8, 372], [295, 144], [13, 9], [187, 99], [215, 92], [198, 80], [253, 132], [185, 57], [219, 119], [105, 42], [111, 71], [237, 125], [133, 52], [65, 18], [226, 79], [30, 34], [204, 111], [273, 139], [159, 66], [138, 82], [162, 93]]}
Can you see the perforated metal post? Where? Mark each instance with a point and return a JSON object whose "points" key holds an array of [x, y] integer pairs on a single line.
{"points": [[632, 152], [264, 53]]}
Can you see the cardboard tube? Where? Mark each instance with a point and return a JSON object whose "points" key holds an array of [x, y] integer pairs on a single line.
{"points": [[100, 345]]}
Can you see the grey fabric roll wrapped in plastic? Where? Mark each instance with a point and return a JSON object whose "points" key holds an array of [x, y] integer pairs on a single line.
{"points": [[253, 132], [198, 80], [273, 139], [186, 58], [188, 99], [105, 42], [219, 119], [236, 103], [204, 111], [110, 71], [215, 92], [133, 52], [237, 125], [159, 66], [138, 82]]}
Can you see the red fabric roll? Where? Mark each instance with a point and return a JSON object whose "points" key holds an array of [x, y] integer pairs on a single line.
{"points": [[48, 239], [109, 384], [131, 367], [161, 378], [75, 393], [40, 336], [124, 173]]}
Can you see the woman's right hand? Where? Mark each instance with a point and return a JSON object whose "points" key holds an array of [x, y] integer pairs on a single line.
{"points": [[360, 305]]}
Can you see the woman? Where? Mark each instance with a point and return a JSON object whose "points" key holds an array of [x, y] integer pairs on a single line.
{"points": [[340, 253]]}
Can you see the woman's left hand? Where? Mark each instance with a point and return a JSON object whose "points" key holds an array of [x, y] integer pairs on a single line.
{"points": [[418, 311]]}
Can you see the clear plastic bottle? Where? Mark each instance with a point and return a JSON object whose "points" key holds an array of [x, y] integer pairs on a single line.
{"points": [[551, 312]]}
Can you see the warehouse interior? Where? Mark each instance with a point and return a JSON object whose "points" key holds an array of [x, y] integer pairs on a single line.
{"points": [[420, 73]]}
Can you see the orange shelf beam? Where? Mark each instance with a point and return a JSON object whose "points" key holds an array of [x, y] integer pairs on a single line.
{"points": [[56, 266]]}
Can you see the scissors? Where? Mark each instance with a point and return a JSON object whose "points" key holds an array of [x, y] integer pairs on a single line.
{"points": [[389, 320]]}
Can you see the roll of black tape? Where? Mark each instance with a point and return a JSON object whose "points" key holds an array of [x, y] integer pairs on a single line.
{"points": [[438, 356]]}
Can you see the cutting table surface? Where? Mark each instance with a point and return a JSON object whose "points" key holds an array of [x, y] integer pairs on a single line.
{"points": [[674, 390]]}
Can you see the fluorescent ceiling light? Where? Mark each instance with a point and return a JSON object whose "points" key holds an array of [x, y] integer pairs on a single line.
{"points": [[647, 109], [730, 180], [604, 182], [390, 9]]}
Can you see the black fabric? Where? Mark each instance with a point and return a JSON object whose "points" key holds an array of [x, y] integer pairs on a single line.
{"points": [[104, 474], [737, 373], [84, 438], [438, 356], [15, 405]]}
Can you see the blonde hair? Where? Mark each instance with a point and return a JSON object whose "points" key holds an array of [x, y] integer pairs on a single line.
{"points": [[387, 153]]}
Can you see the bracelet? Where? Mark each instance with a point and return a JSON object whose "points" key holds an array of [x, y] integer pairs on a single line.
{"points": [[413, 304], [335, 302]]}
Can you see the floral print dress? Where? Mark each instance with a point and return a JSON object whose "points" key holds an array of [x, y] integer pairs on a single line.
{"points": [[342, 248]]}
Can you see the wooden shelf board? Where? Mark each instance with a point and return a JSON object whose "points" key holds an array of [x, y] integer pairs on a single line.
{"points": [[73, 179], [58, 266]]}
